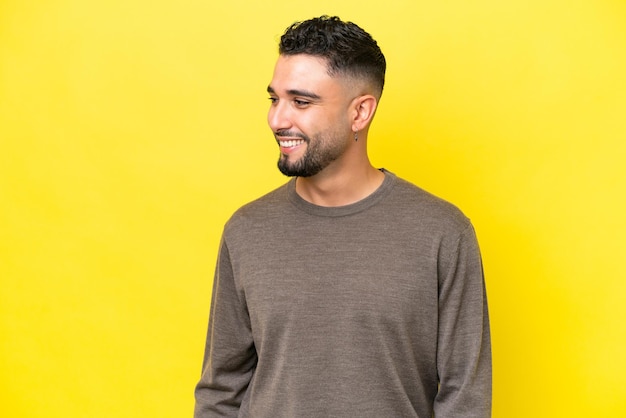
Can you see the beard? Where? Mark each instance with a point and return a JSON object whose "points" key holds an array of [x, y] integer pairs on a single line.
{"points": [[321, 150]]}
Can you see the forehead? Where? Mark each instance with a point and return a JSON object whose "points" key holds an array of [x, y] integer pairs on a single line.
{"points": [[295, 72]]}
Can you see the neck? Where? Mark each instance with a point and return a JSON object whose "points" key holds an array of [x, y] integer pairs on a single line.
{"points": [[329, 188]]}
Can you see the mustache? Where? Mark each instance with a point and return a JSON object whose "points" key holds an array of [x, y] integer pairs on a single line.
{"points": [[285, 133]]}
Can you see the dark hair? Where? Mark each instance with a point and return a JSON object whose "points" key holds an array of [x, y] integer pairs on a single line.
{"points": [[347, 48]]}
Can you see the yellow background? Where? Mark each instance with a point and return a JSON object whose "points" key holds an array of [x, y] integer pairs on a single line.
{"points": [[131, 129]]}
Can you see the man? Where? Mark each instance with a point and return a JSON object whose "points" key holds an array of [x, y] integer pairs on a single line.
{"points": [[347, 292]]}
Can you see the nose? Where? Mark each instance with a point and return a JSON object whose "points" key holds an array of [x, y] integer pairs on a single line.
{"points": [[278, 117]]}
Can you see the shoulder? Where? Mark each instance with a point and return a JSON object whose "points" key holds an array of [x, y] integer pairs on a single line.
{"points": [[260, 211], [428, 218], [415, 202]]}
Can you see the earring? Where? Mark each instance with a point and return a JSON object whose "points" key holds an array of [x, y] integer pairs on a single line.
{"points": [[356, 136]]}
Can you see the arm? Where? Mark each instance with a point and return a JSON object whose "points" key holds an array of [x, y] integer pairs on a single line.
{"points": [[230, 356], [464, 347]]}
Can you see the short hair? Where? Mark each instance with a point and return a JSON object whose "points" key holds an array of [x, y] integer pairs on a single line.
{"points": [[347, 48]]}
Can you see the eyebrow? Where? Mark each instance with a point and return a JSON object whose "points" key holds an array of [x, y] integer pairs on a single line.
{"points": [[296, 92]]}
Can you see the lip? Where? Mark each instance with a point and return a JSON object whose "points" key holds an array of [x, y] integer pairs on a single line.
{"points": [[289, 145]]}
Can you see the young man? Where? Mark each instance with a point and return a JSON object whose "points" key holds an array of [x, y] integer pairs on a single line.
{"points": [[347, 292]]}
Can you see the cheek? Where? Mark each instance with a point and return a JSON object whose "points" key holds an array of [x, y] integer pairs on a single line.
{"points": [[309, 123], [342, 120], [316, 121], [330, 120]]}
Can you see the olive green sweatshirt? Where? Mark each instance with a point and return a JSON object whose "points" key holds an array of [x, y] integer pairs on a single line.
{"points": [[375, 309]]}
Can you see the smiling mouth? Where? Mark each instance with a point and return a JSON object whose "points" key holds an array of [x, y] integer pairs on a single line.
{"points": [[290, 143]]}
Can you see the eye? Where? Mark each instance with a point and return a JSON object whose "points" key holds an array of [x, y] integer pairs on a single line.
{"points": [[273, 100], [301, 103]]}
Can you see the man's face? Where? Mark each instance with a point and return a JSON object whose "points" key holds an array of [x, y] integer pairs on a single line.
{"points": [[308, 115]]}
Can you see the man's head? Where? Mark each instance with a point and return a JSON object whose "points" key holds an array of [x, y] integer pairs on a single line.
{"points": [[347, 49], [326, 85]]}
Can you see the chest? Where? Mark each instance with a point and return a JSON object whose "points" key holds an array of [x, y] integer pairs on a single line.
{"points": [[326, 279]]}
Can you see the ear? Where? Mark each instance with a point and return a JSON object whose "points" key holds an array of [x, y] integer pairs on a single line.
{"points": [[363, 109]]}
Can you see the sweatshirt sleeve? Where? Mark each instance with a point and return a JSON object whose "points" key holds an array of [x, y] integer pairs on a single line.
{"points": [[464, 346], [230, 357]]}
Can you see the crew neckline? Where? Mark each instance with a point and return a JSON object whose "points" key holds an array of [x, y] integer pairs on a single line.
{"points": [[336, 211]]}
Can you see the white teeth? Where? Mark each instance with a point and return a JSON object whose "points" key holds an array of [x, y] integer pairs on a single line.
{"points": [[290, 143]]}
